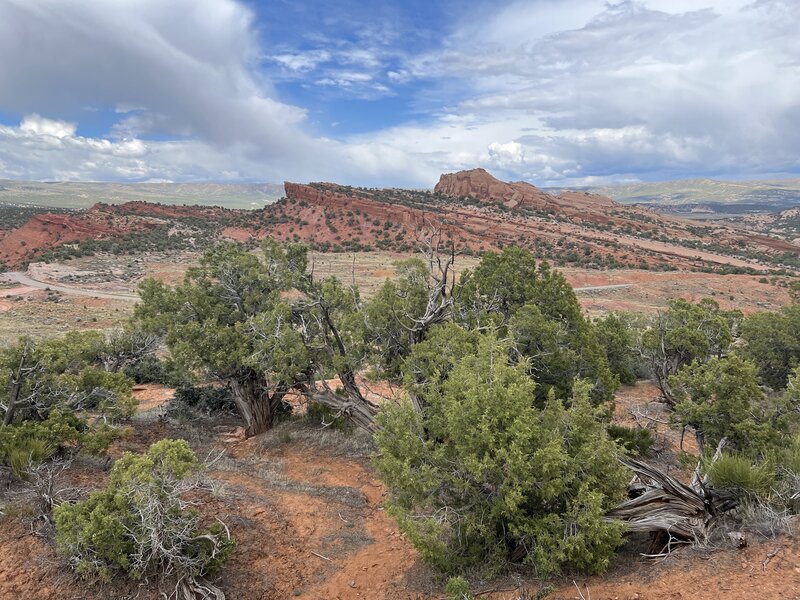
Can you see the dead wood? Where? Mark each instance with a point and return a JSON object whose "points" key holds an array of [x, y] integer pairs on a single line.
{"points": [[669, 506]]}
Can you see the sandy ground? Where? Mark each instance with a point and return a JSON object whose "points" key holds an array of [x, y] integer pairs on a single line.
{"points": [[307, 512]]}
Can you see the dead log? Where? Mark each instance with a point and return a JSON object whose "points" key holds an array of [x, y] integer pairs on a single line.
{"points": [[670, 507]]}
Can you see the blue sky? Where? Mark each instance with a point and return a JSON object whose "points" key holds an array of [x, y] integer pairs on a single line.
{"points": [[385, 93]]}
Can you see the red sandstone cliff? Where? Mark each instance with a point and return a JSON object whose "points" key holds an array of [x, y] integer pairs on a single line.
{"points": [[482, 185]]}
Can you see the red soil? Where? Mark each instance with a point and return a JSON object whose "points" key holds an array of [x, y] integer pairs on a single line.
{"points": [[46, 231]]}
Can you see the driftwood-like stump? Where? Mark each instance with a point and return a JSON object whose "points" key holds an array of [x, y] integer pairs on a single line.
{"points": [[667, 506]]}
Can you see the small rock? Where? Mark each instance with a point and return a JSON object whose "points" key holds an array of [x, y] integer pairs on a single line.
{"points": [[738, 539]]}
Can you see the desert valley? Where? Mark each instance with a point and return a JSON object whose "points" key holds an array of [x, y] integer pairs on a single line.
{"points": [[304, 502], [378, 300]]}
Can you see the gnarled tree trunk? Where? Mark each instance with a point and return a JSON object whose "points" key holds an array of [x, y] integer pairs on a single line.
{"points": [[668, 506], [256, 405]]}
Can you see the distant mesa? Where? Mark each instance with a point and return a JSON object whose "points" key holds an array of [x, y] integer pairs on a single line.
{"points": [[479, 183], [472, 208]]}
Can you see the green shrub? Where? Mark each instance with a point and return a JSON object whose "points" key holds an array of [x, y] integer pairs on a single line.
{"points": [[151, 369], [636, 440], [26, 452], [148, 369], [722, 399], [789, 458], [458, 589], [482, 477], [35, 441], [740, 475], [140, 524], [207, 399]]}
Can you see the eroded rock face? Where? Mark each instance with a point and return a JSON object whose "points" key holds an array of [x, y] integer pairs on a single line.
{"points": [[46, 231], [480, 184]]}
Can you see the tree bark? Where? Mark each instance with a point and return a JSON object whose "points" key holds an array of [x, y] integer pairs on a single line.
{"points": [[17, 379], [667, 505], [255, 404], [360, 412]]}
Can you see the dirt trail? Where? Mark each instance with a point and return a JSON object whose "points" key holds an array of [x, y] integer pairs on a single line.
{"points": [[64, 289], [307, 514]]}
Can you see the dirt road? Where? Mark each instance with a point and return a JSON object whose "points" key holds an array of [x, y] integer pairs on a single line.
{"points": [[43, 285], [64, 289]]}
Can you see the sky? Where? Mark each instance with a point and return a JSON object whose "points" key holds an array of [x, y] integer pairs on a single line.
{"points": [[380, 93]]}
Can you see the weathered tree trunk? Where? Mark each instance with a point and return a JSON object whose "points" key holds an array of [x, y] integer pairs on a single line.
{"points": [[668, 506], [360, 412], [255, 404], [17, 379]]}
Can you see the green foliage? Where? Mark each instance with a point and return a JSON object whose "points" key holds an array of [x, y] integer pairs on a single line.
{"points": [[151, 369], [617, 340], [482, 476], [458, 589], [499, 285], [557, 351], [722, 399], [207, 399], [740, 475], [789, 456], [773, 343], [61, 373], [636, 440], [139, 523], [430, 362], [539, 310], [25, 452], [60, 432], [390, 316], [685, 333], [230, 321]]}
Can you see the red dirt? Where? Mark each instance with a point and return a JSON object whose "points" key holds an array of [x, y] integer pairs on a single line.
{"points": [[309, 523], [29, 569], [151, 395], [731, 574], [46, 231]]}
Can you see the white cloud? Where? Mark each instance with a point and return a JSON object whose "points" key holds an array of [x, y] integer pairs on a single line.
{"points": [[650, 89], [626, 90], [506, 155], [38, 125], [302, 61]]}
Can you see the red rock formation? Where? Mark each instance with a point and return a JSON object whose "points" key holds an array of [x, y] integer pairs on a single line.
{"points": [[482, 185], [46, 231]]}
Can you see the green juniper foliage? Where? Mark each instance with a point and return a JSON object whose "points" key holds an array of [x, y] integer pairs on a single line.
{"points": [[139, 522], [483, 476]]}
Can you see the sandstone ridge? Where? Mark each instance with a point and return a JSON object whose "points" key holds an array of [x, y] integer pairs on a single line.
{"points": [[479, 183]]}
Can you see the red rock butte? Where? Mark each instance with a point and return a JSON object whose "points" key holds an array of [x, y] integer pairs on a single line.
{"points": [[479, 183]]}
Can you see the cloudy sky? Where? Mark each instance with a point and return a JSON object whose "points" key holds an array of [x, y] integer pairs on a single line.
{"points": [[377, 92]]}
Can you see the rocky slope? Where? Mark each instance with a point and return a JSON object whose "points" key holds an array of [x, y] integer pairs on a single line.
{"points": [[471, 209], [46, 231], [478, 183]]}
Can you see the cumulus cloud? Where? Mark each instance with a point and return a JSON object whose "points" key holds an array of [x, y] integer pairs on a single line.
{"points": [[38, 125], [639, 90], [603, 91], [183, 77], [186, 64]]}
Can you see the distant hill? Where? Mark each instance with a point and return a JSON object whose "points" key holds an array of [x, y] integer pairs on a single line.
{"points": [[708, 195], [84, 195], [472, 210]]}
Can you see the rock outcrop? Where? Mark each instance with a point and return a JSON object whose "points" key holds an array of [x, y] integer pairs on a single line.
{"points": [[480, 184]]}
